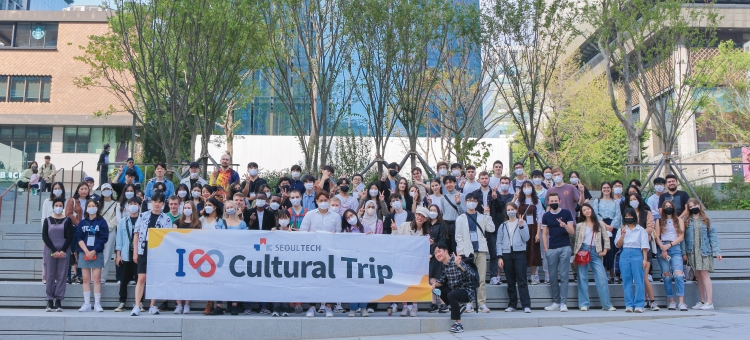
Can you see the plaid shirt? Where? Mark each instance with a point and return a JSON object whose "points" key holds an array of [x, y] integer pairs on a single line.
{"points": [[456, 278]]}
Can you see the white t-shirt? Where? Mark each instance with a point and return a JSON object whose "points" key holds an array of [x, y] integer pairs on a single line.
{"points": [[671, 233], [400, 218]]}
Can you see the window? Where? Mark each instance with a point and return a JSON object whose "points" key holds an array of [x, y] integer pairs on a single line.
{"points": [[28, 35], [76, 139], [31, 89], [24, 142]]}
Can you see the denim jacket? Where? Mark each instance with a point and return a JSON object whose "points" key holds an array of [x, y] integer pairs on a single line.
{"points": [[709, 240]]}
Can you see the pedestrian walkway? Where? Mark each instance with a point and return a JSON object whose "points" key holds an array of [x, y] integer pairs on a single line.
{"points": [[731, 323]]}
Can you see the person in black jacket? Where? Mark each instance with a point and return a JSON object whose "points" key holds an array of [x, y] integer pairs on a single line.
{"points": [[389, 182], [262, 218], [57, 233], [103, 165], [399, 216], [491, 203]]}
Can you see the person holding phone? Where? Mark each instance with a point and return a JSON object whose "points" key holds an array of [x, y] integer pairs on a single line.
{"points": [[91, 235], [633, 239], [57, 233]]}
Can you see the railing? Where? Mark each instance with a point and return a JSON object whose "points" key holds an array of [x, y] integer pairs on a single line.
{"points": [[176, 170], [697, 173], [51, 183], [3, 195], [72, 171]]}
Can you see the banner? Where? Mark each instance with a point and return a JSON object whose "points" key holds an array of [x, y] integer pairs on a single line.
{"points": [[268, 266]]}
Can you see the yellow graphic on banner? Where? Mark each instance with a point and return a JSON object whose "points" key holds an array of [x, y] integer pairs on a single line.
{"points": [[419, 292], [156, 235]]}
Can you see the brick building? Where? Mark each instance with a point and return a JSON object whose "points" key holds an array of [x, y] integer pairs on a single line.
{"points": [[42, 112]]}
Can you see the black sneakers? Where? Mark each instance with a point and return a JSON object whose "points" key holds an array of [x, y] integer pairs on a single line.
{"points": [[444, 308], [49, 306], [217, 311], [433, 309], [235, 310], [58, 306], [457, 328], [164, 305]]}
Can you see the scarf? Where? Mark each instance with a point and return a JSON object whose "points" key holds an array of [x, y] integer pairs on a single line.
{"points": [[370, 221]]}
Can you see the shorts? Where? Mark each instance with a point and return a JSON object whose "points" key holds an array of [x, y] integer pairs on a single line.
{"points": [[142, 262]]}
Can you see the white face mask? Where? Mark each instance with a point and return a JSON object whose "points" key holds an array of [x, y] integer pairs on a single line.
{"points": [[187, 212], [283, 223], [196, 194], [370, 211], [471, 205], [260, 203], [193, 175], [659, 188], [209, 209], [133, 208], [57, 210], [456, 173], [443, 172], [352, 220], [129, 194], [537, 181], [396, 205], [412, 193], [373, 193], [433, 215], [231, 212], [504, 187], [92, 211], [519, 171], [57, 192], [634, 204], [253, 172], [107, 193], [617, 191], [182, 193], [557, 179], [274, 206], [295, 201], [335, 209], [548, 175], [295, 174], [309, 186], [527, 191], [511, 213], [574, 181], [323, 205]]}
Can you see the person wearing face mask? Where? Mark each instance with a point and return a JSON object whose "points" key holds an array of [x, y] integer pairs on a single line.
{"points": [[321, 220], [334, 205], [261, 218], [670, 232], [389, 182], [274, 204], [373, 193], [679, 197], [110, 213], [58, 191], [347, 201], [188, 220], [530, 208], [368, 216], [471, 230], [520, 177], [103, 165], [25, 177], [154, 218], [537, 180], [308, 196], [295, 178], [196, 194], [547, 173], [457, 172], [569, 195], [453, 202], [57, 233], [124, 248], [617, 192], [490, 204], [512, 238], [633, 240], [183, 193], [398, 217], [608, 211], [75, 209], [699, 248], [575, 180], [653, 200], [558, 225], [438, 234], [92, 234], [194, 176], [128, 191], [442, 170], [296, 212], [645, 220]]}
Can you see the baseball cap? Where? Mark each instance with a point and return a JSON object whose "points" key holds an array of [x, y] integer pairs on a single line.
{"points": [[195, 165], [88, 178]]}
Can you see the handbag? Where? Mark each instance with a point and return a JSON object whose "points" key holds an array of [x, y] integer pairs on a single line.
{"points": [[583, 257], [688, 272]]}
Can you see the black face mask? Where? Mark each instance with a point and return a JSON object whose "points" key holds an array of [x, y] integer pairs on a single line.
{"points": [[669, 211], [554, 206], [695, 210], [344, 188], [393, 173], [284, 187], [106, 152], [629, 220]]}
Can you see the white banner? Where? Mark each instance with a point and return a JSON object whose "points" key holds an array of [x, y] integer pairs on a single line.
{"points": [[267, 266]]}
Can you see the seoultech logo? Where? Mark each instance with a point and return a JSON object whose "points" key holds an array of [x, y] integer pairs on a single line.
{"points": [[261, 244], [197, 258]]}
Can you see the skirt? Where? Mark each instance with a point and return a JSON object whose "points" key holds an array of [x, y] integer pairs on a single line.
{"points": [[533, 249], [609, 259], [86, 264]]}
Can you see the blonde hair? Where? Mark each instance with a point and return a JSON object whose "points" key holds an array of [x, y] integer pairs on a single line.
{"points": [[702, 213]]}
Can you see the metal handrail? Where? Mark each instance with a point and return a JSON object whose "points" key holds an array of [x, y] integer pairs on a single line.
{"points": [[3, 195], [52, 182], [72, 170], [28, 197], [634, 167]]}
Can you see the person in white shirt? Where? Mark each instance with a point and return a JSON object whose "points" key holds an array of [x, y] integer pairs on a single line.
{"points": [[497, 174], [321, 220], [470, 184], [633, 240], [471, 228]]}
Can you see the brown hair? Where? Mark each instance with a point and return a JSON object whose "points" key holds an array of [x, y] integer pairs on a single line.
{"points": [[195, 222], [702, 213], [675, 220]]}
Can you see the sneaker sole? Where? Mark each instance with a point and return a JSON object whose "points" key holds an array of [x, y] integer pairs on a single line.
{"points": [[458, 331]]}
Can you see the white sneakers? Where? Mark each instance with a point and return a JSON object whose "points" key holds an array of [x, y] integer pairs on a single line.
{"points": [[563, 307], [484, 309], [339, 308], [584, 309], [534, 280], [98, 308], [698, 306], [153, 310], [708, 306], [469, 308], [365, 312], [186, 309], [527, 310], [329, 313], [654, 306], [404, 311], [672, 306], [628, 309], [178, 309], [414, 308], [310, 312], [509, 309], [683, 307], [136, 311], [639, 310], [85, 308], [553, 307], [495, 281]]}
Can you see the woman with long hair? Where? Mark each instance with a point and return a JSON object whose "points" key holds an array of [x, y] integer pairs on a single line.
{"points": [[607, 210], [531, 210], [75, 208], [373, 194], [402, 188], [699, 249], [670, 232], [420, 226], [109, 209], [645, 220], [512, 237], [591, 237], [438, 233], [92, 234], [633, 240]]}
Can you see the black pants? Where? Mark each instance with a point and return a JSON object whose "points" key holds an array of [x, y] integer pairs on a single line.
{"points": [[281, 307], [450, 226], [492, 247], [454, 298], [129, 270], [22, 185], [514, 264]]}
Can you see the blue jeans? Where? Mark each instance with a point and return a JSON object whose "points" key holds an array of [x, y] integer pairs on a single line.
{"points": [[631, 269], [353, 306], [600, 278], [669, 270]]}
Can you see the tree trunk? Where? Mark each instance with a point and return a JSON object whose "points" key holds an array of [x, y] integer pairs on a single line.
{"points": [[413, 149], [634, 146], [229, 129]]}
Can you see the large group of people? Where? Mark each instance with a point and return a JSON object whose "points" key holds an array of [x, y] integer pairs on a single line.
{"points": [[490, 220]]}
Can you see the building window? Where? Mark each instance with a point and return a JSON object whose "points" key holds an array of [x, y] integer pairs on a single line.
{"points": [[22, 143], [28, 35], [86, 139], [29, 89]]}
